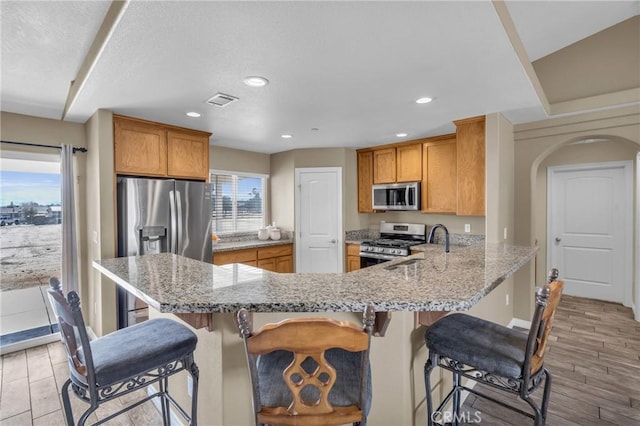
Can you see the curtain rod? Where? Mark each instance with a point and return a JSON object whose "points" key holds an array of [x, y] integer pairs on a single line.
{"points": [[44, 146]]}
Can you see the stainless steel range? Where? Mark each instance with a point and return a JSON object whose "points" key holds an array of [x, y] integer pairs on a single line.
{"points": [[395, 241]]}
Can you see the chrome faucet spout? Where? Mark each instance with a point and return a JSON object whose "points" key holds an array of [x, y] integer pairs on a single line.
{"points": [[446, 235]]}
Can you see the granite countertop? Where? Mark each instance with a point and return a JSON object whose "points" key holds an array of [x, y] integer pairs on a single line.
{"points": [[428, 281], [239, 245]]}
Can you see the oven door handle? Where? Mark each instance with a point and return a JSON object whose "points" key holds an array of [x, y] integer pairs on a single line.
{"points": [[379, 256]]}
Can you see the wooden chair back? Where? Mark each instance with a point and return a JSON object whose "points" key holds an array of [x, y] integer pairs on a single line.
{"points": [[307, 338], [73, 331], [547, 300]]}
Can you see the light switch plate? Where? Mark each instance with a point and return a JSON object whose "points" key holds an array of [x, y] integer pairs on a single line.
{"points": [[467, 227]]}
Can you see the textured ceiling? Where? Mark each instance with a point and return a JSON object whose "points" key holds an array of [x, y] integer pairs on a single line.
{"points": [[352, 70]]}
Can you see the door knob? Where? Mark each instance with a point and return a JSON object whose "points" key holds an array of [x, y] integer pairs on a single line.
{"points": [[558, 239], [333, 241]]}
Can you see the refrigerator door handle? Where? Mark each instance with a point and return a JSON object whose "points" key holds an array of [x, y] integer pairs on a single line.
{"points": [[174, 225], [179, 222]]}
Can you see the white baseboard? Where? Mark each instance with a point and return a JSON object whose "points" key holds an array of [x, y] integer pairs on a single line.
{"points": [[175, 418], [516, 322], [30, 343]]}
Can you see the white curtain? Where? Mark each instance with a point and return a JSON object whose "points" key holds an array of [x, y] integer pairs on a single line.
{"points": [[69, 231]]}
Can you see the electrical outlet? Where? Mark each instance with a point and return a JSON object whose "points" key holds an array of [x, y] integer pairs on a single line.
{"points": [[94, 237], [467, 227], [505, 232], [190, 385], [506, 301]]}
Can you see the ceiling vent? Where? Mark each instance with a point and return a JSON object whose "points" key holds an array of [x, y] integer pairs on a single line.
{"points": [[221, 100]]}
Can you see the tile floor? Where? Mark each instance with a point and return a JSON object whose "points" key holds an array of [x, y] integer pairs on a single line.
{"points": [[30, 392]]}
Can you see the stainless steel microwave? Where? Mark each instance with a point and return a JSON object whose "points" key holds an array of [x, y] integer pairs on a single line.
{"points": [[396, 196]]}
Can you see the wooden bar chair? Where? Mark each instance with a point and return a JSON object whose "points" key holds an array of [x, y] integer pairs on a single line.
{"points": [[494, 355], [309, 371], [123, 361]]}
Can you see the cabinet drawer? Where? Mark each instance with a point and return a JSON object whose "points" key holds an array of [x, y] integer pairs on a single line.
{"points": [[275, 251], [353, 250], [235, 256]]}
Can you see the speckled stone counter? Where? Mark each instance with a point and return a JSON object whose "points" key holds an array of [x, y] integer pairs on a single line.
{"points": [[239, 245], [429, 281]]}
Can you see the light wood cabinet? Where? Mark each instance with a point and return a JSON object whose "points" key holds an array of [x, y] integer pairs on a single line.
{"points": [[384, 165], [470, 154], [402, 163], [145, 148], [140, 148], [353, 257], [365, 181], [235, 256], [278, 258], [187, 155], [439, 179], [409, 163]]}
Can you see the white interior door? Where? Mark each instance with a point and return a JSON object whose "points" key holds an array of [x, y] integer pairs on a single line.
{"points": [[590, 228], [318, 214]]}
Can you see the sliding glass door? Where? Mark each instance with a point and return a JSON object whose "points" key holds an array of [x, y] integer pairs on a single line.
{"points": [[30, 248]]}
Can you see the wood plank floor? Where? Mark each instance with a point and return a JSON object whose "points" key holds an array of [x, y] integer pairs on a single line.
{"points": [[30, 392], [594, 357]]}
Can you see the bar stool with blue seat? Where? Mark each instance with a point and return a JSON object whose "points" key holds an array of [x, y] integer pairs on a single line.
{"points": [[309, 371], [123, 361], [494, 355]]}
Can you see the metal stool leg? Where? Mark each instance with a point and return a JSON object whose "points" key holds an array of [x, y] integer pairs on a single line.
{"points": [[428, 367], [456, 399], [66, 403], [195, 375], [545, 395]]}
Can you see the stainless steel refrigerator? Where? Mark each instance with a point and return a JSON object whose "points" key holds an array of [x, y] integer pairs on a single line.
{"points": [[156, 216]]}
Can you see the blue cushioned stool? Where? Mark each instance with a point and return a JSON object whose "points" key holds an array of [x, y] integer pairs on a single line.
{"points": [[309, 371], [495, 355], [123, 361]]}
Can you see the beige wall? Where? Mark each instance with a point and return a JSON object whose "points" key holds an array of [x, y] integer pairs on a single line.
{"points": [[237, 160], [544, 143], [101, 224], [283, 167]]}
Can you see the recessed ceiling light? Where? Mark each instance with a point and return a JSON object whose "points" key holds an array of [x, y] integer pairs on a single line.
{"points": [[402, 135], [193, 114], [286, 136], [425, 100], [255, 81]]}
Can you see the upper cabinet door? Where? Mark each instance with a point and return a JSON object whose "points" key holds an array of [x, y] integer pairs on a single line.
{"points": [[140, 148], [384, 165], [188, 155], [409, 163], [365, 180], [470, 137], [439, 184]]}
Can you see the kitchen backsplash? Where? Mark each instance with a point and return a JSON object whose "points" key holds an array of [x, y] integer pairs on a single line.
{"points": [[250, 236], [454, 239]]}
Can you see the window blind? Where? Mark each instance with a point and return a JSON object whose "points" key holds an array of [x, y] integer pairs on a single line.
{"points": [[238, 202]]}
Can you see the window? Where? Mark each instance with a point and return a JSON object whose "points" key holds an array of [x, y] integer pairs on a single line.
{"points": [[238, 202]]}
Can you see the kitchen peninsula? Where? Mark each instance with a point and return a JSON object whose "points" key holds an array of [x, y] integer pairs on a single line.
{"points": [[429, 281]]}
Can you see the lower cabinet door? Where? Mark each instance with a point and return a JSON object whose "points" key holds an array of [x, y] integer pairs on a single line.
{"points": [[267, 264], [284, 264]]}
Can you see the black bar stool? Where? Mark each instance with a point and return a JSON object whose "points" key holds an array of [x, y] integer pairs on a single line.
{"points": [[495, 355], [123, 361]]}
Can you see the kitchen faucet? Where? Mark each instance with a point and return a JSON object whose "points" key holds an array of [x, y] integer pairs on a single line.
{"points": [[446, 235]]}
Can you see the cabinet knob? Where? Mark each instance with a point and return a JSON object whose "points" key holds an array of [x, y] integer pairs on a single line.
{"points": [[333, 241], [558, 239]]}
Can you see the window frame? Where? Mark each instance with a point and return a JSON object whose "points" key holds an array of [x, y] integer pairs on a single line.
{"points": [[234, 204]]}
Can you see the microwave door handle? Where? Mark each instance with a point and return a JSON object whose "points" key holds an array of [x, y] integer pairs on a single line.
{"points": [[406, 196]]}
